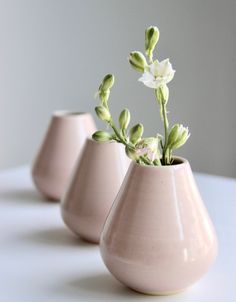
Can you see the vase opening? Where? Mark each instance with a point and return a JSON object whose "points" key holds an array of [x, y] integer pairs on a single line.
{"points": [[67, 113], [177, 161], [93, 141]]}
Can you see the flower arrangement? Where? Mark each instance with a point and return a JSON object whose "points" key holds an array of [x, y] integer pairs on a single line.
{"points": [[158, 150]]}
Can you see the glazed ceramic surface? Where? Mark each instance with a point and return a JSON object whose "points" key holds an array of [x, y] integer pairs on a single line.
{"points": [[61, 146], [158, 237], [94, 185]]}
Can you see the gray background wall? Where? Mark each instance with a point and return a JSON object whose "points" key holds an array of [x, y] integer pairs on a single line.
{"points": [[53, 55]]}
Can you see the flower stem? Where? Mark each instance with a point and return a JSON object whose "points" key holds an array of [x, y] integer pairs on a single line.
{"points": [[157, 162], [145, 160], [163, 113], [166, 127], [150, 57], [117, 133]]}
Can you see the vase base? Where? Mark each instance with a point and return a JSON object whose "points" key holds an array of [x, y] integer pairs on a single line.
{"points": [[167, 293]]}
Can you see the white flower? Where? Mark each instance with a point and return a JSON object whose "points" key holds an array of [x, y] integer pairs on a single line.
{"points": [[157, 74], [148, 147]]}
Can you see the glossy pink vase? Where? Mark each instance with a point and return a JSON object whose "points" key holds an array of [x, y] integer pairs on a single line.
{"points": [[158, 238], [94, 185], [61, 146]]}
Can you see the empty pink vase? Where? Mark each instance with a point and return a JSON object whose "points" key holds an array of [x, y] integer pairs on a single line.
{"points": [[61, 146], [95, 182], [158, 238]]}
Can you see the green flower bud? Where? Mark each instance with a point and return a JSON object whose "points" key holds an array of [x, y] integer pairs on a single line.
{"points": [[102, 136], [162, 93], [151, 39], [103, 113], [104, 95], [173, 135], [124, 119], [131, 153], [107, 82], [137, 61], [181, 138], [136, 133]]}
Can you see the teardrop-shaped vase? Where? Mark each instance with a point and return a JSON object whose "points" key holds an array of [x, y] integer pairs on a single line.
{"points": [[158, 238], [93, 187], [61, 146]]}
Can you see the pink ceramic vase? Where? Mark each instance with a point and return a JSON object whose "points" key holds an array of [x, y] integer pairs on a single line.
{"points": [[94, 185], [61, 146], [158, 238]]}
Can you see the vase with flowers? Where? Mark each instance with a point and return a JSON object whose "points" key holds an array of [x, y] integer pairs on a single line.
{"points": [[158, 237]]}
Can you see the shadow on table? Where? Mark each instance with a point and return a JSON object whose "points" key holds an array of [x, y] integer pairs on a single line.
{"points": [[22, 196], [56, 237], [103, 286]]}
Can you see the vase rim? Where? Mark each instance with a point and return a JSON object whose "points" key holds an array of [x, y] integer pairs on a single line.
{"points": [[182, 162], [68, 113], [91, 140]]}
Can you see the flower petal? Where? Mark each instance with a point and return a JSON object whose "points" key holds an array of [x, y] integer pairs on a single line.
{"points": [[164, 67], [154, 68]]}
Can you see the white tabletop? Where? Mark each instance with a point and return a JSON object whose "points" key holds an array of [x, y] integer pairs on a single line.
{"points": [[40, 260]]}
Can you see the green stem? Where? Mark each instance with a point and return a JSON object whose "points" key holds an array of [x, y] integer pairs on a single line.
{"points": [[145, 160], [150, 57], [166, 127], [117, 133], [157, 162], [163, 112]]}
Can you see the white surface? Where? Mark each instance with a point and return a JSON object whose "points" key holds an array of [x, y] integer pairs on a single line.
{"points": [[40, 260]]}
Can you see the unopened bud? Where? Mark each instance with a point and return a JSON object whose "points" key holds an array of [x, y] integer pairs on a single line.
{"points": [[104, 95], [124, 119], [173, 135], [137, 61], [102, 136], [103, 113], [151, 39], [136, 133], [182, 140], [182, 137], [131, 153], [107, 82], [162, 93]]}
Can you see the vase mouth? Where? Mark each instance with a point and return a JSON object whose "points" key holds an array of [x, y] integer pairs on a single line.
{"points": [[68, 113], [93, 141], [178, 162]]}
